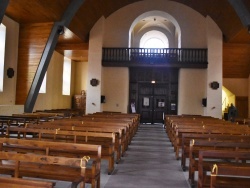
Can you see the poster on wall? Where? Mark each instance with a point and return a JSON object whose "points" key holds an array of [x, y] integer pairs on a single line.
{"points": [[173, 106], [145, 101], [133, 108]]}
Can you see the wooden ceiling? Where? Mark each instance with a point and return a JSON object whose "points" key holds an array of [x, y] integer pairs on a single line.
{"points": [[74, 43]]}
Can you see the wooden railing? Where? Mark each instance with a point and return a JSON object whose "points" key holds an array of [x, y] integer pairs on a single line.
{"points": [[174, 57]]}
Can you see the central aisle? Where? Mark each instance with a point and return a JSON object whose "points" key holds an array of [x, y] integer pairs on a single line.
{"points": [[149, 162]]}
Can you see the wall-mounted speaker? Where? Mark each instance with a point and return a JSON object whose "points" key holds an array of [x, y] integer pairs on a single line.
{"points": [[204, 102], [103, 100], [214, 85]]}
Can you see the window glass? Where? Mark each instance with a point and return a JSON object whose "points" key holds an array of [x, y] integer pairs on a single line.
{"points": [[66, 76], [154, 39], [2, 54]]}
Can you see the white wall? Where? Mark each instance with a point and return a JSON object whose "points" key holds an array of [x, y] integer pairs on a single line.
{"points": [[192, 24], [192, 88], [8, 96], [81, 73], [214, 70], [196, 32], [93, 98], [53, 98], [115, 89]]}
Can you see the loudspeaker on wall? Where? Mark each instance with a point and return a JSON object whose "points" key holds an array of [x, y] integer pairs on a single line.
{"points": [[204, 102]]}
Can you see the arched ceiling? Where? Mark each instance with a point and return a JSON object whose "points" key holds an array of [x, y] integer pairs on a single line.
{"points": [[47, 11]]}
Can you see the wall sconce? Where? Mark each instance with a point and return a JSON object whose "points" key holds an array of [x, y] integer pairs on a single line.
{"points": [[60, 30], [10, 72]]}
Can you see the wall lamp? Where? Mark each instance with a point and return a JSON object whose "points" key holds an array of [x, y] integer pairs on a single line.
{"points": [[60, 30]]}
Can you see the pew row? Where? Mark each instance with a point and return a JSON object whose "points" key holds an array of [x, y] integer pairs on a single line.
{"points": [[45, 167], [10, 182], [232, 172], [59, 149], [186, 137], [106, 140], [202, 145]]}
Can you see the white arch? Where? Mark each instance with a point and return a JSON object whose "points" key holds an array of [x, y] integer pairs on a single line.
{"points": [[156, 13]]}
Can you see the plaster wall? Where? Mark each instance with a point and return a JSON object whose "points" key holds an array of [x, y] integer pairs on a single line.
{"points": [[53, 98], [8, 96], [93, 98], [191, 91], [115, 89], [214, 70]]}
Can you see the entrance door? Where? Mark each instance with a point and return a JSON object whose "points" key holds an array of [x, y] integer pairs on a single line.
{"points": [[152, 102]]}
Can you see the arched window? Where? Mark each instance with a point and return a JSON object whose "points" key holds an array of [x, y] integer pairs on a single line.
{"points": [[154, 39]]}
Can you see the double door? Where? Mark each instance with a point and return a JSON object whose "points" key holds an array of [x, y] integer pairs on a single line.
{"points": [[153, 102]]}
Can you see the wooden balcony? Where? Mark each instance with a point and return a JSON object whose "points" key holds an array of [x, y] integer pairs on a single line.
{"points": [[161, 57]]}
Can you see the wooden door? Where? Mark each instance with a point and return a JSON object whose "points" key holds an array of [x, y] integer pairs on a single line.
{"points": [[242, 107], [152, 102], [146, 102]]}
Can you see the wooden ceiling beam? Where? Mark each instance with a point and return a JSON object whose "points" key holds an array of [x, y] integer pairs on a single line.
{"points": [[72, 46]]}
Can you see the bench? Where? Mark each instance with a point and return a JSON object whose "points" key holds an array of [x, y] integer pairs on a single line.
{"points": [[230, 176], [201, 145], [106, 140], [186, 137], [119, 133], [232, 172], [59, 149], [124, 140], [212, 129], [44, 167], [10, 182]]}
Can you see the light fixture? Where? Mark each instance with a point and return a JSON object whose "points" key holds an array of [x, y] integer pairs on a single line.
{"points": [[153, 81], [60, 30]]}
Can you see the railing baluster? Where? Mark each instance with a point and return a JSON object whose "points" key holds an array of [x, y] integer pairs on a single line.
{"points": [[155, 55]]}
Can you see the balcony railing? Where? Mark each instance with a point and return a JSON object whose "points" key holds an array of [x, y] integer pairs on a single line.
{"points": [[172, 57]]}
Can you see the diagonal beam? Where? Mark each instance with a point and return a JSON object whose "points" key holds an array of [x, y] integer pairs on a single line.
{"points": [[242, 11], [48, 51], [3, 7]]}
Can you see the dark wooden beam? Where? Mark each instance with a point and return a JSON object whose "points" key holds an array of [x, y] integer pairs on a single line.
{"points": [[242, 11], [3, 7], [57, 29]]}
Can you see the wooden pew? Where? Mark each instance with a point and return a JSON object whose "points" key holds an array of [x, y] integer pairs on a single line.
{"points": [[201, 145], [43, 166], [131, 128], [227, 174], [10, 182], [59, 149], [186, 137], [106, 140], [119, 133], [125, 140], [211, 129], [236, 176]]}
